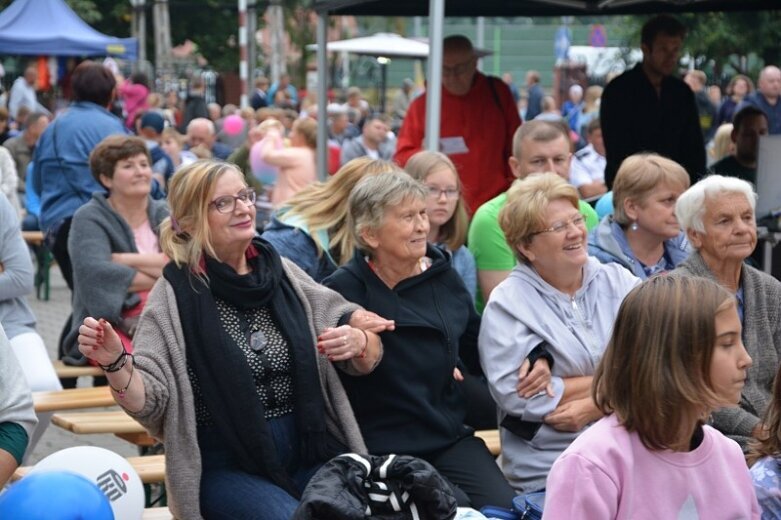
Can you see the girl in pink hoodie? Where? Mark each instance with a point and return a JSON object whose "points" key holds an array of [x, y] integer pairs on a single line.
{"points": [[675, 355]]}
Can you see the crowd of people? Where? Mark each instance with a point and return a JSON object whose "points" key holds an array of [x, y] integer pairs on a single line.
{"points": [[578, 278]]}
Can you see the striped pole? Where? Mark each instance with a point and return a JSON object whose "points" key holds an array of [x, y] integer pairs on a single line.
{"points": [[243, 65]]}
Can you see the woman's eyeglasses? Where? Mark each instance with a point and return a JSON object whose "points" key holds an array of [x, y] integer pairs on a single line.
{"points": [[449, 193], [227, 203], [558, 228]]}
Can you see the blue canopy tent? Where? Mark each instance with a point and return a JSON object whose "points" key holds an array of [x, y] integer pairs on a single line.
{"points": [[51, 28]]}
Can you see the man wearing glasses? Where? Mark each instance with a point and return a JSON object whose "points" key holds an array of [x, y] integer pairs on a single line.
{"points": [[538, 147], [478, 120]]}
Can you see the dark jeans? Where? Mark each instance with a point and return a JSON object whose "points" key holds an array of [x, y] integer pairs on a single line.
{"points": [[477, 479], [230, 493], [30, 223], [57, 242]]}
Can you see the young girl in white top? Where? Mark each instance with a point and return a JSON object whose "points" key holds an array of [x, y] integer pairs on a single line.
{"points": [[675, 355]]}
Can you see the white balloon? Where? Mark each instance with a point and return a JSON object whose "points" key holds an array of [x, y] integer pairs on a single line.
{"points": [[112, 473]]}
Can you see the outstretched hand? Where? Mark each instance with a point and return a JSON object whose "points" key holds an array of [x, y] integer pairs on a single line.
{"points": [[370, 321], [99, 342]]}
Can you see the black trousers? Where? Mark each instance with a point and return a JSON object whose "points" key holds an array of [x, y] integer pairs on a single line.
{"points": [[57, 242], [480, 406], [476, 478]]}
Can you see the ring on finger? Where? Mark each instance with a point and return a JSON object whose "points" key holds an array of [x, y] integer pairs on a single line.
{"points": [[344, 340]]}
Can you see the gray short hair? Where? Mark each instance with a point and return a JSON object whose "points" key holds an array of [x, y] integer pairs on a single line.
{"points": [[373, 195], [690, 207], [198, 121]]}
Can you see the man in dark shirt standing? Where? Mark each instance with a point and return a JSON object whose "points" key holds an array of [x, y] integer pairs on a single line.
{"points": [[647, 109], [749, 124]]}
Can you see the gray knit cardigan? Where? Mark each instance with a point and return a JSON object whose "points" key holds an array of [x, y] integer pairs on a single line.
{"points": [[762, 338], [100, 286], [169, 410]]}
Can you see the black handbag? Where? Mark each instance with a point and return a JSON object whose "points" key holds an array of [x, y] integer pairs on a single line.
{"points": [[393, 487]]}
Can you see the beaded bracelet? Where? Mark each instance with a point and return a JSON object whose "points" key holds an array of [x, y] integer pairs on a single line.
{"points": [[115, 366], [121, 391]]}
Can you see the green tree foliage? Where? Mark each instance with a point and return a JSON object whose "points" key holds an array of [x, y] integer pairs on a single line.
{"points": [[723, 37], [212, 25], [301, 27]]}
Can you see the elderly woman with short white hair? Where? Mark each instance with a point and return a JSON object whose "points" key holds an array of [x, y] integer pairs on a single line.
{"points": [[717, 214]]}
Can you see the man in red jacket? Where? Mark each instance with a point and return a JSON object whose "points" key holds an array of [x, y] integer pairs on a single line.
{"points": [[478, 120]]}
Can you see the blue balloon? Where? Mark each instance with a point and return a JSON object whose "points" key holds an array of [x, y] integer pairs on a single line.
{"points": [[55, 494], [604, 205]]}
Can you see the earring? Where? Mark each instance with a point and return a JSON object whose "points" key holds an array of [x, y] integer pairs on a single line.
{"points": [[633, 227]]}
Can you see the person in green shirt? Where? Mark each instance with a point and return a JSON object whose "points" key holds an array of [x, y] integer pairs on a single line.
{"points": [[538, 147]]}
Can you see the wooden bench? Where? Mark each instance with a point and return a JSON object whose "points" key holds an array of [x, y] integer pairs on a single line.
{"points": [[116, 422], [157, 513], [67, 371], [492, 441], [34, 238], [43, 259], [150, 468], [72, 399]]}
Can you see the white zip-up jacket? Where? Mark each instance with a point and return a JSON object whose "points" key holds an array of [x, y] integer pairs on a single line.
{"points": [[16, 402], [524, 310]]}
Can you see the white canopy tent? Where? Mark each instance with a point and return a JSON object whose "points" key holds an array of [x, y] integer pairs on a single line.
{"points": [[381, 44]]}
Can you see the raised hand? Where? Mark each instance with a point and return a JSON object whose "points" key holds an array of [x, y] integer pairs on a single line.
{"points": [[99, 342]]}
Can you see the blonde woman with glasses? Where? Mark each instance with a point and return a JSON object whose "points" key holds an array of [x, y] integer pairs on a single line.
{"points": [[226, 371], [550, 319]]}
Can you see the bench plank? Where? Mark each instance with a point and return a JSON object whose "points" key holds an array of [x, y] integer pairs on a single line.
{"points": [[97, 422], [34, 238], [150, 468], [117, 422], [492, 441], [72, 399], [157, 513], [66, 371]]}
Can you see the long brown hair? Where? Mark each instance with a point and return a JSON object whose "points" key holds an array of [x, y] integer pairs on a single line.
{"points": [[655, 373], [770, 446]]}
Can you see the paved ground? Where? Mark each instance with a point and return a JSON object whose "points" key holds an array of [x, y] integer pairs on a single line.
{"points": [[51, 317]]}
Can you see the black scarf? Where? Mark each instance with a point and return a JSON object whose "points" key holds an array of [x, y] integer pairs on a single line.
{"points": [[224, 376]]}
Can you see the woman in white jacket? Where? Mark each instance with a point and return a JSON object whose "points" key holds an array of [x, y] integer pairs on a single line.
{"points": [[17, 417], [558, 304]]}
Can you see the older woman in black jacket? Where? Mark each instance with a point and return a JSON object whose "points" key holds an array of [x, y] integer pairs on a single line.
{"points": [[413, 403]]}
